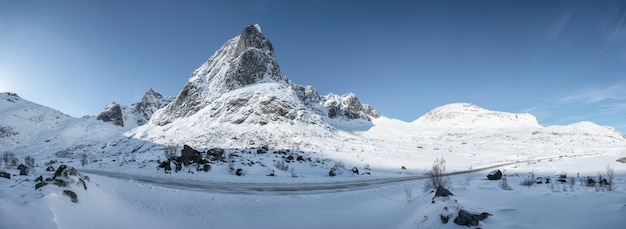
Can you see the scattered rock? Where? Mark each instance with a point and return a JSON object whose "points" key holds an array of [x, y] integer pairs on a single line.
{"points": [[206, 168], [468, 219], [60, 183], [444, 219], [50, 168], [166, 165], [604, 182], [40, 184], [239, 172], [5, 174], [442, 192], [82, 183], [215, 154], [23, 170], [355, 170], [494, 175], [190, 155], [72, 195], [39, 179], [332, 172], [591, 182], [59, 171]]}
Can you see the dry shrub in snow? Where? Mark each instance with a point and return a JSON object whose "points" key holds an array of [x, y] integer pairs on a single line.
{"points": [[436, 176]]}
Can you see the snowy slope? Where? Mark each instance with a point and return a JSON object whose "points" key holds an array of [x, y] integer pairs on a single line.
{"points": [[467, 115], [31, 129]]}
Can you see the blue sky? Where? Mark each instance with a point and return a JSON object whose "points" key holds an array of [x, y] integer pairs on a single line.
{"points": [[563, 61]]}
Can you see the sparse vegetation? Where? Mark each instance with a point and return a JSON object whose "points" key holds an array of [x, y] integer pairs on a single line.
{"points": [[436, 176], [29, 161], [84, 159], [528, 181], [169, 152], [280, 164], [408, 193], [9, 159], [504, 184]]}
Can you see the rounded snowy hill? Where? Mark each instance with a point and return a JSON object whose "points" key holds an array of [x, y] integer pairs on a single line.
{"points": [[27, 128], [467, 115]]}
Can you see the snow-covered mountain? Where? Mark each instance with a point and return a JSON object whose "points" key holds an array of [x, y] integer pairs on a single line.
{"points": [[467, 115], [239, 98], [136, 114], [242, 83], [27, 128]]}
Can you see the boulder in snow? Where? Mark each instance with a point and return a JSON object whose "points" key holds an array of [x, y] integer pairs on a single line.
{"points": [[468, 219], [5, 174], [495, 175]]}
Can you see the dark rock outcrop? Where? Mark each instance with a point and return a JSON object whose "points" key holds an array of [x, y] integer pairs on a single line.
{"points": [[442, 192], [112, 113], [215, 154], [23, 170], [59, 171], [355, 170], [348, 107], [190, 155], [166, 165], [40, 184], [332, 172], [5, 174], [239, 172], [444, 219], [468, 219], [72, 195], [495, 175]]}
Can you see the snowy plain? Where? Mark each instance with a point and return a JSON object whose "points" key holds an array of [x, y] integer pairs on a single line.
{"points": [[127, 203]]}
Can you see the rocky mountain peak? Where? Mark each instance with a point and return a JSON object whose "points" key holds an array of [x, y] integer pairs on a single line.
{"points": [[111, 113], [244, 60], [243, 79], [149, 103], [251, 37]]}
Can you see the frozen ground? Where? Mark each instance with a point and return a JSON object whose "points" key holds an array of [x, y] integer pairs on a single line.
{"points": [[128, 203]]}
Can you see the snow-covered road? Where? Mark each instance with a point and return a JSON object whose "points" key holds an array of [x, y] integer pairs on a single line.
{"points": [[273, 188]]}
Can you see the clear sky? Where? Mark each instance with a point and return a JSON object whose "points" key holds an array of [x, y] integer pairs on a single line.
{"points": [[562, 61]]}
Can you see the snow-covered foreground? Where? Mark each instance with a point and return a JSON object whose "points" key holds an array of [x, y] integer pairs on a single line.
{"points": [[121, 203]]}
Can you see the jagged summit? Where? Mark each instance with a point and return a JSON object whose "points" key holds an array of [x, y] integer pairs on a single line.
{"points": [[229, 86], [467, 115], [149, 103], [137, 114], [244, 60]]}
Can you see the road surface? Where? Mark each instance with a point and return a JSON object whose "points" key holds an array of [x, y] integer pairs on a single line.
{"points": [[271, 188]]}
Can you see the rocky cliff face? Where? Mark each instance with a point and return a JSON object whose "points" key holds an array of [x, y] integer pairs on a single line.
{"points": [[137, 114], [150, 103], [242, 83], [111, 113]]}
